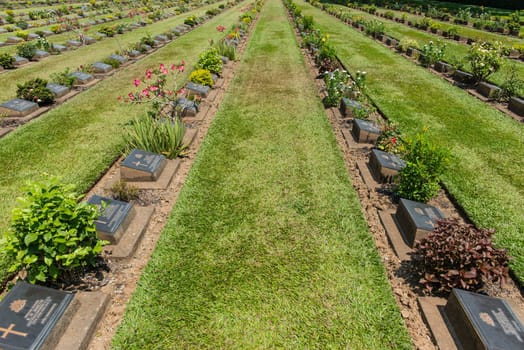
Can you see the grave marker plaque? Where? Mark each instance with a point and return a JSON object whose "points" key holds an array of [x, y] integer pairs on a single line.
{"points": [[416, 219], [47, 32], [18, 107], [385, 166], [73, 43], [57, 90], [365, 131], [142, 166], [32, 36], [161, 38], [29, 314], [59, 48], [88, 40], [516, 105], [115, 217], [119, 58], [483, 322], [134, 53], [100, 67], [14, 40], [81, 77], [197, 89], [39, 54], [488, 90], [348, 106], [19, 60], [185, 107]]}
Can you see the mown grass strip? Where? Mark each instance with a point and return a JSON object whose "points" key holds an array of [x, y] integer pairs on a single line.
{"points": [[487, 146], [81, 138], [454, 53], [267, 246], [87, 54]]}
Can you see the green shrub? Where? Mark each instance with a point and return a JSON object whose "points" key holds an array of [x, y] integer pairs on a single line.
{"points": [[123, 191], [27, 50], [52, 234], [7, 61], [63, 78], [202, 77], [431, 53], [210, 60], [147, 40], [190, 21], [458, 255], [374, 28], [512, 84], [159, 136], [22, 34], [107, 30], [35, 90], [425, 164], [485, 58], [336, 87]]}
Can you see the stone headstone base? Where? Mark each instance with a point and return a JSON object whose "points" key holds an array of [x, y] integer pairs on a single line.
{"points": [[127, 244], [82, 325], [396, 238], [160, 184], [431, 313]]}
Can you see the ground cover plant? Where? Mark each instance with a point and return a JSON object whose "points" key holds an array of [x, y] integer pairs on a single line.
{"points": [[485, 171], [81, 138], [266, 228]]}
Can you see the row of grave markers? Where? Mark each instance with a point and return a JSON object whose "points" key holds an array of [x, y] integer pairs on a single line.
{"points": [[475, 321], [34, 317]]}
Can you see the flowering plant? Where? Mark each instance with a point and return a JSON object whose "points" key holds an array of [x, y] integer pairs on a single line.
{"points": [[153, 88], [484, 58], [221, 28]]}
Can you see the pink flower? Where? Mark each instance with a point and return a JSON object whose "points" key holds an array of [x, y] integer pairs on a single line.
{"points": [[221, 28], [162, 67], [153, 88], [181, 68], [149, 74], [164, 71], [131, 96], [173, 67], [181, 91], [137, 82], [145, 93], [170, 92]]}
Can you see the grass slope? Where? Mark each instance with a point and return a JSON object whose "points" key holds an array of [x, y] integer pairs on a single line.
{"points": [[86, 54], [267, 246], [80, 139], [487, 146], [454, 52]]}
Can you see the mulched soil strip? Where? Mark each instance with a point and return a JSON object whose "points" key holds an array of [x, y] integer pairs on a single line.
{"points": [[376, 198], [124, 275], [9, 124], [502, 107]]}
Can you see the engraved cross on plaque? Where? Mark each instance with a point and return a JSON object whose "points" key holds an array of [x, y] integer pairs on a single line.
{"points": [[10, 330]]}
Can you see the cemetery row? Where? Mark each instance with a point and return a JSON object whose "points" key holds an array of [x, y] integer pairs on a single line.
{"points": [[37, 95], [506, 97], [437, 248], [435, 18], [36, 317], [36, 46]]}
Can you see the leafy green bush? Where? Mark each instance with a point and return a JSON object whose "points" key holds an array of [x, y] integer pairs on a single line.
{"points": [[35, 90], [512, 84], [123, 191], [485, 58], [22, 34], [202, 77], [210, 60], [52, 234], [374, 28], [63, 78], [27, 50], [7, 61], [147, 40], [431, 53], [160, 136], [425, 164], [458, 255], [107, 30], [190, 21]]}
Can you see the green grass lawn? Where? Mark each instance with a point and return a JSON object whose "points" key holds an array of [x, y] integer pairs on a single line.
{"points": [[487, 146], [81, 138], [455, 52], [87, 54], [266, 246]]}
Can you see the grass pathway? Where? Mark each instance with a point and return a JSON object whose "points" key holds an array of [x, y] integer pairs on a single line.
{"points": [[267, 246], [486, 173]]}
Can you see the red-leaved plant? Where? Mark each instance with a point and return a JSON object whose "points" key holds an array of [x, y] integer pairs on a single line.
{"points": [[153, 88], [458, 255]]}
